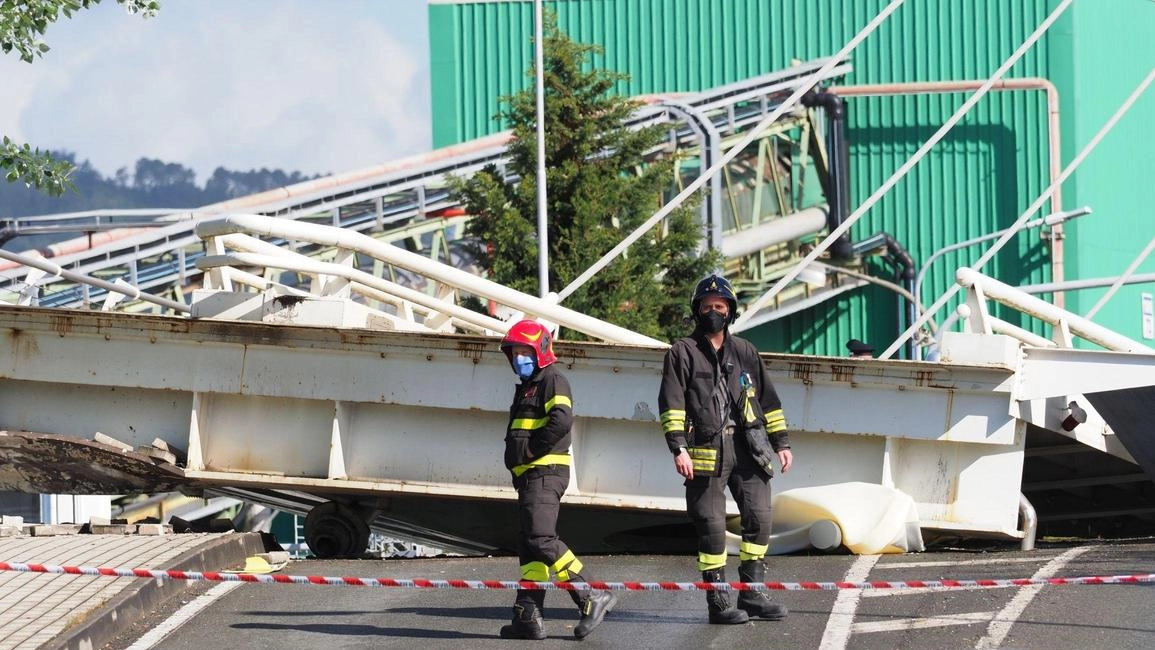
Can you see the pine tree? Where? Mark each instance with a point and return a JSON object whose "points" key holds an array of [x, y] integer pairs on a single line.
{"points": [[600, 188]]}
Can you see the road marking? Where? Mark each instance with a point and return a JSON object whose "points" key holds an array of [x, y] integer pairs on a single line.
{"points": [[1001, 625], [904, 565], [837, 632], [876, 593], [182, 616], [969, 618]]}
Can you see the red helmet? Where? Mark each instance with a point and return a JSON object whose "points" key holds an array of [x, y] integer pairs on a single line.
{"points": [[535, 335]]}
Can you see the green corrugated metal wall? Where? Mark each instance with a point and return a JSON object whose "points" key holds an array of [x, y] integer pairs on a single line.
{"points": [[977, 180], [1115, 43]]}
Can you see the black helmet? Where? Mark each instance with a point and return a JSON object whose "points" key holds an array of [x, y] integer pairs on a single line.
{"points": [[714, 285]]}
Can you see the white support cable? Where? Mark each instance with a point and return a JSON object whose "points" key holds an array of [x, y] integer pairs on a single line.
{"points": [[1121, 280], [765, 298], [753, 134], [1071, 167]]}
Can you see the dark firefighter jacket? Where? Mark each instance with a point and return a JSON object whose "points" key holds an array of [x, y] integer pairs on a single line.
{"points": [[696, 404], [540, 419]]}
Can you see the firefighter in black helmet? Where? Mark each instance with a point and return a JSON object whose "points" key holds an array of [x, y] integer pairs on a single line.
{"points": [[724, 424], [537, 443]]}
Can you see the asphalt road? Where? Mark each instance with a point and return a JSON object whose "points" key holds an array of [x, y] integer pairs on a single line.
{"points": [[292, 617]]}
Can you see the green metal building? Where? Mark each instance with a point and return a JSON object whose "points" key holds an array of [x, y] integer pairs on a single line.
{"points": [[979, 179]]}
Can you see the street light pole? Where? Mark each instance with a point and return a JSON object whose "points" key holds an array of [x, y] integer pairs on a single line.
{"points": [[539, 88]]}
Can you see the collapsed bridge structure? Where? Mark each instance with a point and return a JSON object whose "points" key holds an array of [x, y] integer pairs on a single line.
{"points": [[331, 371], [312, 402]]}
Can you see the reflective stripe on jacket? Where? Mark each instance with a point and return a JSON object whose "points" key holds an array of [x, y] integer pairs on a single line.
{"points": [[540, 420], [692, 409]]}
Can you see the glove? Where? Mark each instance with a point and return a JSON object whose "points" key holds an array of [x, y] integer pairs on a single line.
{"points": [[759, 444]]}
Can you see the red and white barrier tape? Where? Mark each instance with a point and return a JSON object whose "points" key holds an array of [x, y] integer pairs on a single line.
{"points": [[422, 583]]}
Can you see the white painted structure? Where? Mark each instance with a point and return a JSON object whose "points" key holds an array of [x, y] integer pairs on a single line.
{"points": [[285, 397]]}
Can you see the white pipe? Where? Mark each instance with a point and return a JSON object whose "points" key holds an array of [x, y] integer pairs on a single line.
{"points": [[765, 299], [753, 134], [1030, 523], [787, 228], [312, 266], [378, 289], [1043, 310], [1046, 287], [1038, 202], [330, 236], [123, 289], [1000, 326], [539, 92]]}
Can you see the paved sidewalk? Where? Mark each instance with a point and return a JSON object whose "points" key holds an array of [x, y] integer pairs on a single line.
{"points": [[40, 610]]}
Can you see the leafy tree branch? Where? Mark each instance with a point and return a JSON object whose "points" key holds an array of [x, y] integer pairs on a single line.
{"points": [[23, 24]]}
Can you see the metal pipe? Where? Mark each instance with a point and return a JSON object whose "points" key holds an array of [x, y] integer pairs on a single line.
{"points": [[302, 264], [1047, 287], [1043, 310], [954, 119], [539, 93], [1054, 150], [380, 289], [838, 166], [898, 289], [1051, 220], [1000, 326], [711, 145], [355, 241], [788, 228], [1035, 205], [1030, 523], [750, 136]]}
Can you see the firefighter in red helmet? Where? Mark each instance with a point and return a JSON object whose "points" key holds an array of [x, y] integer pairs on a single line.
{"points": [[724, 424], [537, 443]]}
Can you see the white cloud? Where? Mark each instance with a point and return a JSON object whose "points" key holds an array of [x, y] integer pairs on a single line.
{"points": [[305, 86]]}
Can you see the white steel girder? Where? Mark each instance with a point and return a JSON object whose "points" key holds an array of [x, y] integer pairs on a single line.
{"points": [[340, 411]]}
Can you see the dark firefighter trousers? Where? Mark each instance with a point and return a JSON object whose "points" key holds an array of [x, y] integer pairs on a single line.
{"points": [[540, 550], [706, 503]]}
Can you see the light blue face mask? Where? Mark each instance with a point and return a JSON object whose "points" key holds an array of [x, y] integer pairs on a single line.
{"points": [[524, 366]]}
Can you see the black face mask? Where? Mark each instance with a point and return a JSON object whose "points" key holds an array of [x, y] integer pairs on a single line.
{"points": [[712, 321]]}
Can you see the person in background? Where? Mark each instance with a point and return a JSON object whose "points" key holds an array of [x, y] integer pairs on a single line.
{"points": [[724, 425], [537, 443]]}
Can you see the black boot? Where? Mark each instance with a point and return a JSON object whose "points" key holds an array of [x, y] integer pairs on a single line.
{"points": [[756, 603], [721, 612], [593, 606], [527, 622]]}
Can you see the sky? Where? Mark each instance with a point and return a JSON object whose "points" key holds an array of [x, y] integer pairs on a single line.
{"points": [[297, 85]]}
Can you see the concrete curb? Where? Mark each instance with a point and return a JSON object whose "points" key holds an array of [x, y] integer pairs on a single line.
{"points": [[127, 607]]}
